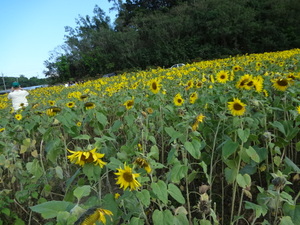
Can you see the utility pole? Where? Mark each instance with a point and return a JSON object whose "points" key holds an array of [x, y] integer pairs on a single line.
{"points": [[3, 82]]}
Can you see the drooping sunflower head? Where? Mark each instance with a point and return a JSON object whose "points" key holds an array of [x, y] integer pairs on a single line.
{"points": [[83, 97], [129, 104], [281, 84], [236, 107], [89, 105], [92, 215], [83, 157], [126, 178], [143, 163], [222, 76], [52, 111], [178, 100]]}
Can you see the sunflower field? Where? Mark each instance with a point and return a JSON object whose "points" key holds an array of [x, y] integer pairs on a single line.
{"points": [[213, 142]]}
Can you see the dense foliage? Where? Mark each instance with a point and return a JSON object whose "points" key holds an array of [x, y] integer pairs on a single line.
{"points": [[212, 142], [148, 34]]}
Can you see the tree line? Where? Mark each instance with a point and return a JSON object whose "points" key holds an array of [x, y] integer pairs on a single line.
{"points": [[152, 33], [6, 82]]}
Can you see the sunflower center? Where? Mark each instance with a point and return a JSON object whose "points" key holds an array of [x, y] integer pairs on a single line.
{"points": [[128, 177], [130, 103], [237, 106], [89, 159], [179, 100], [154, 86], [282, 83], [222, 77], [250, 83]]}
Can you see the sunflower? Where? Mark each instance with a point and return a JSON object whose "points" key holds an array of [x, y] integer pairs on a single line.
{"points": [[178, 100], [52, 103], [281, 84], [143, 163], [200, 118], [193, 97], [189, 85], [83, 157], [154, 86], [127, 179], [92, 215], [18, 116], [258, 83], [70, 104], [82, 97], [2, 129], [199, 84], [78, 124], [222, 76], [245, 82], [129, 104], [298, 109], [237, 68], [149, 110], [52, 111], [237, 108], [89, 105]]}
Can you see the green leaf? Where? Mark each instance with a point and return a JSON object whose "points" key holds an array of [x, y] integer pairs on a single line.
{"points": [[286, 220], [173, 133], [205, 222], [243, 180], [178, 172], [35, 169], [291, 164], [59, 172], [293, 211], [175, 192], [279, 126], [243, 134], [82, 137], [229, 148], [136, 221], [252, 154], [144, 197], [82, 191], [193, 148], [259, 210], [162, 217], [181, 219], [50, 209], [230, 174], [101, 118], [160, 190]]}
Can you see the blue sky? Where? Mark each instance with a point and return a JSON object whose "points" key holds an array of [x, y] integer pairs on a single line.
{"points": [[31, 29]]}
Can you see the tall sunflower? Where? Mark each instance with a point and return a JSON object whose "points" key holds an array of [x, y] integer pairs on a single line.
{"points": [[83, 157], [281, 84], [126, 178], [222, 76], [178, 100], [236, 107]]}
